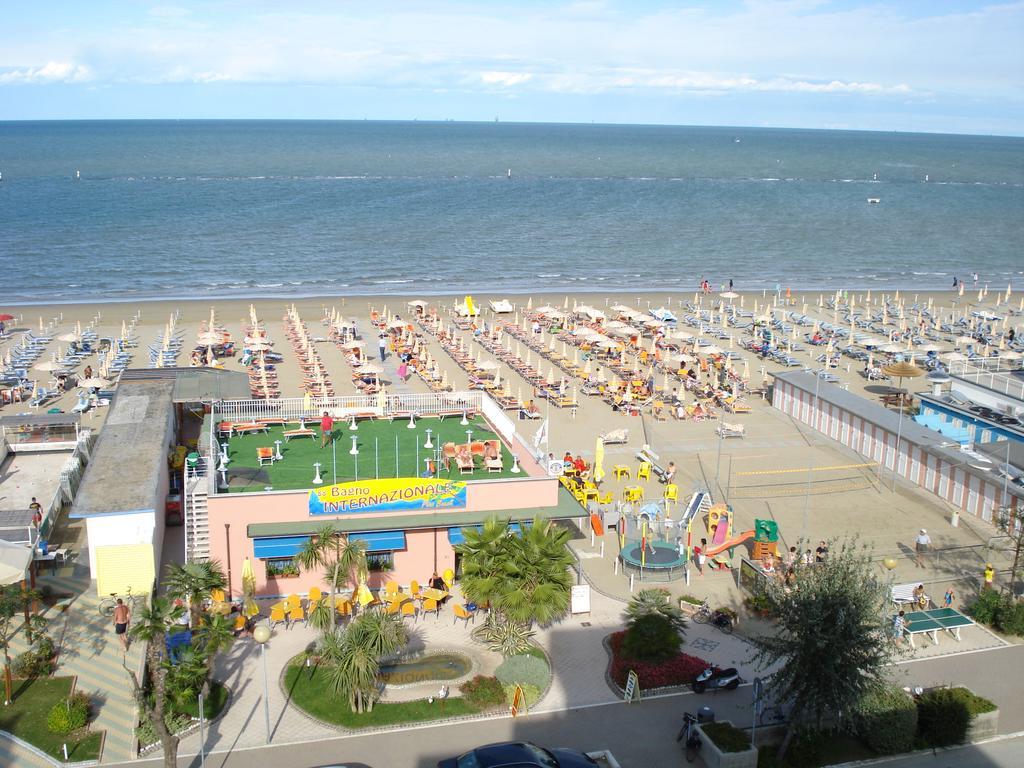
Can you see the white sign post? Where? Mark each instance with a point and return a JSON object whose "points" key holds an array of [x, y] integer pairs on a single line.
{"points": [[580, 599]]}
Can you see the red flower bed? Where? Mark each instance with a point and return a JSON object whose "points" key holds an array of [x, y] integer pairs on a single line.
{"points": [[680, 670]]}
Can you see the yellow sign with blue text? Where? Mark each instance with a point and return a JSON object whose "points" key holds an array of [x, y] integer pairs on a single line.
{"points": [[391, 494]]}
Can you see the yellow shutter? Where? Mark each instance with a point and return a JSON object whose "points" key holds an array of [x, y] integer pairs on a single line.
{"points": [[121, 566]]}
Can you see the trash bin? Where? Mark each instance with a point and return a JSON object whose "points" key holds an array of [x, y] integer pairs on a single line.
{"points": [[705, 715]]}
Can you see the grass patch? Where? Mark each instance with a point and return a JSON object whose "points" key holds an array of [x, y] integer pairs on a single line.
{"points": [[536, 652], [26, 719], [313, 696], [295, 470], [212, 704], [727, 737]]}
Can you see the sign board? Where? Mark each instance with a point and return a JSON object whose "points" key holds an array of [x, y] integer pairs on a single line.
{"points": [[517, 701], [580, 598], [392, 494], [632, 687]]}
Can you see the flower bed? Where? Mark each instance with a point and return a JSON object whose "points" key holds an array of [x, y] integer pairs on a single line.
{"points": [[679, 670]]}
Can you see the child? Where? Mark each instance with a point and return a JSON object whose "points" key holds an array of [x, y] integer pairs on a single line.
{"points": [[948, 598]]}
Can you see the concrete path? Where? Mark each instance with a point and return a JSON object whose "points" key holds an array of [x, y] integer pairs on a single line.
{"points": [[89, 649]]}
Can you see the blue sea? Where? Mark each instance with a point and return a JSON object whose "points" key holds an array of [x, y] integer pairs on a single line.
{"points": [[199, 209]]}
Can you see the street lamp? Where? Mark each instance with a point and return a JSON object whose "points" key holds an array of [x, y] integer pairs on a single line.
{"points": [[261, 634]]}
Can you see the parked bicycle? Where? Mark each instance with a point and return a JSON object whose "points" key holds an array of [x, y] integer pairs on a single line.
{"points": [[721, 619], [687, 735], [107, 604]]}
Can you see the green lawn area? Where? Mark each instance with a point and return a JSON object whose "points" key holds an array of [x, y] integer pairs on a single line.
{"points": [[377, 456], [313, 696], [26, 719], [212, 704]]}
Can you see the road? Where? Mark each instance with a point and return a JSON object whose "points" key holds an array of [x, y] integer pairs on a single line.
{"points": [[641, 735]]}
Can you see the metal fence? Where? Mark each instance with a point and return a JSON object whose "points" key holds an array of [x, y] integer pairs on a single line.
{"points": [[384, 405], [991, 372]]}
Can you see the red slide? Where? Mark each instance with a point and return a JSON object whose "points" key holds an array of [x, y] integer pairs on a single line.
{"points": [[712, 551]]}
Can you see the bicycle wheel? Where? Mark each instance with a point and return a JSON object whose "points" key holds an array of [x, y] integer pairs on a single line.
{"points": [[700, 618], [106, 607], [682, 732], [692, 748]]}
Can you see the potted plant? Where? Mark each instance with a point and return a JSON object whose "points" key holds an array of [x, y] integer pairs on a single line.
{"points": [[725, 746]]}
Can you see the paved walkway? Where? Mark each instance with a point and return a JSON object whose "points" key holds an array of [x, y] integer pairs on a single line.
{"points": [[89, 650]]}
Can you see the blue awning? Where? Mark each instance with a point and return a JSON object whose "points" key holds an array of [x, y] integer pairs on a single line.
{"points": [[278, 546], [455, 534], [381, 541]]}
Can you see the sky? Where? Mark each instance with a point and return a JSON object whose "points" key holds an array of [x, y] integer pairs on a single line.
{"points": [[943, 66]]}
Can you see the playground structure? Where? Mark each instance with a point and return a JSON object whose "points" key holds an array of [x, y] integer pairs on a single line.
{"points": [[644, 545]]}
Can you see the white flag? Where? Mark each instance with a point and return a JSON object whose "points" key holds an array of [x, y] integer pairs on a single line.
{"points": [[542, 434]]}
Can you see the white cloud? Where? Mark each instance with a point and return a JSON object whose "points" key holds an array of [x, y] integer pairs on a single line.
{"points": [[506, 79], [51, 72]]}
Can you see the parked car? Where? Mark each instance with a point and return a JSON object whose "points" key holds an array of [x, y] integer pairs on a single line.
{"points": [[521, 754]]}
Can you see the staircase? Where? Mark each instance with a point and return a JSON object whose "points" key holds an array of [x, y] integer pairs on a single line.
{"points": [[197, 527]]}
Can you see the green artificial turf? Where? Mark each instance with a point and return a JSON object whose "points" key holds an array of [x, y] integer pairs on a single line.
{"points": [[312, 695], [26, 717], [376, 443]]}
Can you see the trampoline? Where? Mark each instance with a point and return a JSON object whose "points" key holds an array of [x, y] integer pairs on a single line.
{"points": [[662, 563]]}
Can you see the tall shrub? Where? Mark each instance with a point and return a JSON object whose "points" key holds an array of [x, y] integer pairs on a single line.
{"points": [[886, 720]]}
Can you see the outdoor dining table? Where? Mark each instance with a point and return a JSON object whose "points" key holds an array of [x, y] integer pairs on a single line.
{"points": [[433, 594]]}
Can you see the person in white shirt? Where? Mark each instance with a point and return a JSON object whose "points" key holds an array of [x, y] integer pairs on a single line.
{"points": [[921, 545]]}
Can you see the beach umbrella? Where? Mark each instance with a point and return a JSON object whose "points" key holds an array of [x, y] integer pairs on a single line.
{"points": [[488, 365], [444, 380], [711, 350], [733, 295], [93, 382], [249, 606], [586, 367], [71, 336], [551, 376], [902, 371], [49, 365], [601, 377], [529, 303]]}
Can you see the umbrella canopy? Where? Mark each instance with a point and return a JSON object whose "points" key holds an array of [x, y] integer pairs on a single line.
{"points": [[93, 381], [354, 344], [249, 606], [49, 365], [4, 317], [14, 561], [370, 368], [729, 295], [488, 365], [903, 370], [71, 336]]}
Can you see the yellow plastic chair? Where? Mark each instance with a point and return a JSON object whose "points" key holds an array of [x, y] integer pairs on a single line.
{"points": [[344, 608], [462, 613], [217, 595], [409, 609], [277, 616], [449, 577], [294, 601], [239, 623], [644, 472], [315, 594], [392, 609], [431, 605], [606, 498], [633, 493], [414, 589], [297, 614], [620, 471], [391, 588], [672, 492]]}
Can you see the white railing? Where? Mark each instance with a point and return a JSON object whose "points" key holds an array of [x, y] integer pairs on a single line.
{"points": [[295, 408], [991, 373], [496, 415]]}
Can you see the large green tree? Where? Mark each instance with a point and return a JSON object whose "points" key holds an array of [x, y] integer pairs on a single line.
{"points": [[832, 646], [193, 583], [525, 578]]}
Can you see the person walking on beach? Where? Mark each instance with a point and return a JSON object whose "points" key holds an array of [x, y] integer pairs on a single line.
{"points": [[382, 346], [122, 616], [921, 545], [326, 429]]}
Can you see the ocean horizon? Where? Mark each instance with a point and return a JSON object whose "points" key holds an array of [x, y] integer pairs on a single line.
{"points": [[167, 210]]}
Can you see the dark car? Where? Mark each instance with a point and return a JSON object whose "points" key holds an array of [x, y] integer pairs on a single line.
{"points": [[518, 754]]}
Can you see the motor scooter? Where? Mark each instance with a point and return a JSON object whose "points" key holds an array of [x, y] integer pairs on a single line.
{"points": [[716, 680]]}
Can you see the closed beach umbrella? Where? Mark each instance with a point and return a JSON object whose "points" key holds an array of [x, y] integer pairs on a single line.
{"points": [[599, 461]]}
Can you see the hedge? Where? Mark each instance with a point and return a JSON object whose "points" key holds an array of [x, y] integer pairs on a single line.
{"points": [[679, 670], [886, 720]]}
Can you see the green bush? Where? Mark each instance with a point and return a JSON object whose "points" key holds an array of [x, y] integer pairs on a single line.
{"points": [[943, 717], [1011, 617], [483, 692], [727, 737], [531, 694], [34, 663], [886, 720], [976, 705], [525, 670], [176, 721], [70, 715], [651, 638], [986, 608]]}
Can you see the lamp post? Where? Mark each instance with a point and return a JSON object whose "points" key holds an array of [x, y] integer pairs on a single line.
{"points": [[261, 634]]}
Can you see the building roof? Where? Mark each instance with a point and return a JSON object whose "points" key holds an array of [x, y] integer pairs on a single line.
{"points": [[124, 472], [196, 385], [998, 450], [40, 420], [566, 508], [859, 406]]}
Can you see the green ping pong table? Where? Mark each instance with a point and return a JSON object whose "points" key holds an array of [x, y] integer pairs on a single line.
{"points": [[931, 621]]}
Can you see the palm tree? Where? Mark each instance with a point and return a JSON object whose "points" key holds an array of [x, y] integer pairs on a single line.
{"points": [[186, 678], [193, 583], [353, 656], [215, 635], [649, 602], [151, 628], [340, 558], [526, 578]]}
